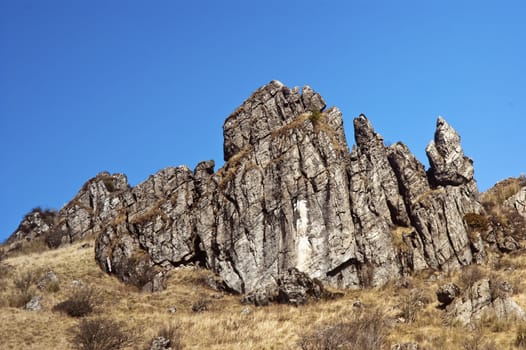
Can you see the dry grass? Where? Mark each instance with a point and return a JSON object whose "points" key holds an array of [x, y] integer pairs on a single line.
{"points": [[230, 169], [226, 323], [494, 197], [398, 234]]}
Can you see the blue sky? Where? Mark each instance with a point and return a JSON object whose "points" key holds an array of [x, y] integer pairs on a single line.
{"points": [[136, 86]]}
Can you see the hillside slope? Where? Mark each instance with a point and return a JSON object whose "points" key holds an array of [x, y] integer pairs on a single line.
{"points": [[409, 310]]}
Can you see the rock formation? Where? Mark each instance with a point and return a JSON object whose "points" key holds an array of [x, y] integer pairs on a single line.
{"points": [[518, 202], [291, 195], [36, 224], [85, 215], [485, 298]]}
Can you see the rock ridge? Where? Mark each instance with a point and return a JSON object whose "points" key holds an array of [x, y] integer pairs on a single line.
{"points": [[291, 195]]}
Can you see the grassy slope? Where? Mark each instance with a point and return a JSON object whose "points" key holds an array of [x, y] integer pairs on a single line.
{"points": [[225, 326]]}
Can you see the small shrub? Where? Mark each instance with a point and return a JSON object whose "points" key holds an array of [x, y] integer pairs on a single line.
{"points": [[23, 285], [172, 335], [315, 116], [469, 275], [101, 334], [136, 271], [20, 299], [81, 303], [476, 222], [202, 304], [367, 332], [5, 272], [54, 238], [476, 341], [473, 342], [366, 275], [520, 337], [108, 183], [412, 303], [52, 287], [24, 281]]}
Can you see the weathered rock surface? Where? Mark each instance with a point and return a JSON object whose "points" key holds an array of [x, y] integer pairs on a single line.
{"points": [[160, 343], [297, 288], [449, 166], [447, 293], [485, 298], [95, 205], [86, 214], [518, 202], [39, 223], [34, 304], [291, 195]]}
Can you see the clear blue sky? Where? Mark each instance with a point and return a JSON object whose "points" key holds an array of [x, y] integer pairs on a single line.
{"points": [[136, 86]]}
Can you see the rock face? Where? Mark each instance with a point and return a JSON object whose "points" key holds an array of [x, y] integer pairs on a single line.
{"points": [[36, 224], [86, 214], [291, 195], [518, 202], [485, 298], [449, 166]]}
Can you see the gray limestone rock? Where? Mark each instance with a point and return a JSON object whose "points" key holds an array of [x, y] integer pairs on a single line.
{"points": [[34, 304], [96, 204], [291, 195], [297, 288], [86, 214], [518, 202], [481, 299], [449, 166], [39, 223], [160, 343]]}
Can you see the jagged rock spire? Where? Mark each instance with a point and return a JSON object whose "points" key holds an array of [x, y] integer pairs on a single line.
{"points": [[449, 166]]}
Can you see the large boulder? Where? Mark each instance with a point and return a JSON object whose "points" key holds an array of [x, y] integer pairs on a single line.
{"points": [[297, 288], [485, 298]]}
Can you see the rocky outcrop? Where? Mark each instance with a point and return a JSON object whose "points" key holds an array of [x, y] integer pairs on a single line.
{"points": [[518, 202], [35, 304], [449, 166], [290, 197], [437, 203], [85, 215], [37, 224], [487, 298], [96, 204], [297, 288], [161, 343]]}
